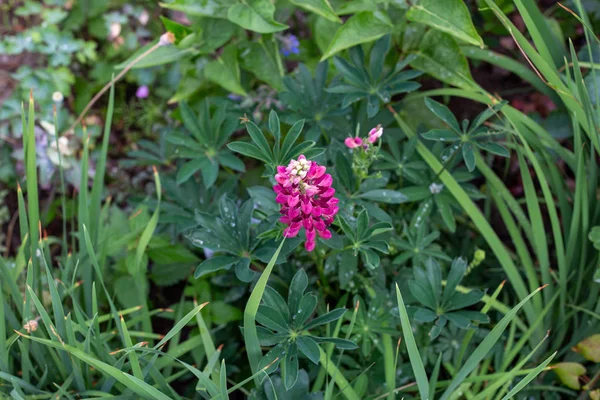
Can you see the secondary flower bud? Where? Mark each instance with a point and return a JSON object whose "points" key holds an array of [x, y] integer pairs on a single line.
{"points": [[375, 134]]}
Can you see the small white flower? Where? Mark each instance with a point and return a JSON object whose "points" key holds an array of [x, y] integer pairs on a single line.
{"points": [[435, 188], [166, 39], [57, 97], [114, 30], [31, 326], [144, 17]]}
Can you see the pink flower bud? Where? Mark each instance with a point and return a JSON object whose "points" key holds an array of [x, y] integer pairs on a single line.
{"points": [[353, 143], [375, 134]]}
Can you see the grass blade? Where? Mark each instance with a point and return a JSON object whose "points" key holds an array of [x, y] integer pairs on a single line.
{"points": [[528, 378], [413, 353], [486, 345], [250, 334]]}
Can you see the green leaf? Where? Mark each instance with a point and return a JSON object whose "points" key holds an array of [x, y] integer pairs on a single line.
{"points": [[309, 348], [494, 148], [343, 170], [360, 28], [160, 56], [255, 15], [457, 271], [248, 150], [384, 196], [440, 57], [342, 344], [443, 113], [443, 135], [290, 139], [377, 56], [468, 154], [306, 308], [216, 263], [259, 139], [210, 172], [272, 319], [257, 58], [326, 318], [229, 160], [189, 169], [243, 271], [319, 7], [348, 265], [204, 8], [297, 288], [225, 71], [289, 367], [450, 16]]}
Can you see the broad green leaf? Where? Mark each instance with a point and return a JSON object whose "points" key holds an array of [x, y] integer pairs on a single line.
{"points": [[160, 56], [450, 16], [384, 196], [255, 15], [297, 288], [319, 7], [225, 71], [326, 318], [204, 8], [289, 366], [360, 28], [494, 148], [248, 150], [443, 113], [214, 264], [440, 57], [257, 58], [309, 348], [468, 154]]}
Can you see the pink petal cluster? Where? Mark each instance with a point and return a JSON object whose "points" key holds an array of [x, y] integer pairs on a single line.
{"points": [[353, 143], [304, 191], [374, 134]]}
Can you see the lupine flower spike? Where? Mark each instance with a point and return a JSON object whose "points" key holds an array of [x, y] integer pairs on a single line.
{"points": [[304, 191]]}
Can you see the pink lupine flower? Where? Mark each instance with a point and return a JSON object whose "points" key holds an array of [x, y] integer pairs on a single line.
{"points": [[353, 143], [375, 134], [304, 191]]}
